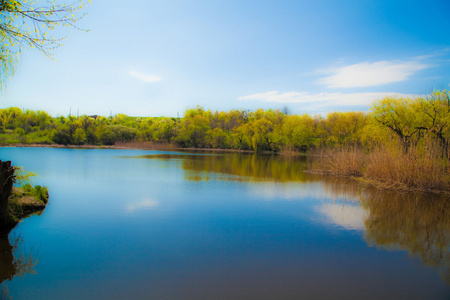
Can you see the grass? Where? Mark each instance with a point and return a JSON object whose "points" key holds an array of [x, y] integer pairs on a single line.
{"points": [[422, 168], [419, 169], [30, 138], [26, 200], [39, 192], [347, 161]]}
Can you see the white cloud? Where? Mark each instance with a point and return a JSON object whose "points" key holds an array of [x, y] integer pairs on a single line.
{"points": [[144, 77], [370, 74], [322, 99]]}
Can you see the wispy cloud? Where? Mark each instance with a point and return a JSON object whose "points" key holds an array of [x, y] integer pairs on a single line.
{"points": [[367, 74], [276, 97], [144, 77], [322, 99]]}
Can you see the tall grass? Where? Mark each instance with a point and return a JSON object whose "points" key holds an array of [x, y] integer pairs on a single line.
{"points": [[422, 168], [346, 161]]}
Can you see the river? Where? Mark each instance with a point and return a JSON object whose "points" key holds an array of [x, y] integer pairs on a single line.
{"points": [[134, 224]]}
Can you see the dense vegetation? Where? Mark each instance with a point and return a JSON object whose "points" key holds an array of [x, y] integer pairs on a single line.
{"points": [[259, 131], [401, 142], [408, 146], [410, 122]]}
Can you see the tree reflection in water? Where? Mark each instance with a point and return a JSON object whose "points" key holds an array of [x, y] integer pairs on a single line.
{"points": [[415, 222], [238, 166], [15, 260]]}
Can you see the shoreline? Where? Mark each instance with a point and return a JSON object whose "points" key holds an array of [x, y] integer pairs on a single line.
{"points": [[380, 185], [134, 146]]}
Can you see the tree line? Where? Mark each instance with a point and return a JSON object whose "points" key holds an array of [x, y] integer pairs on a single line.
{"points": [[406, 121]]}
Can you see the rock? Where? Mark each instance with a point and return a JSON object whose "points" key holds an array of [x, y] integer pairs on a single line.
{"points": [[23, 205]]}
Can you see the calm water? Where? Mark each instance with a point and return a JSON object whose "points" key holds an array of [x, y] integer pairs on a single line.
{"points": [[130, 224]]}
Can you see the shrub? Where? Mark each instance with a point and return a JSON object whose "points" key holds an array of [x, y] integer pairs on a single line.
{"points": [[112, 133], [41, 193], [19, 131]]}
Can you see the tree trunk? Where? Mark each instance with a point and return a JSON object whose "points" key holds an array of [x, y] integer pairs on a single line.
{"points": [[6, 184]]}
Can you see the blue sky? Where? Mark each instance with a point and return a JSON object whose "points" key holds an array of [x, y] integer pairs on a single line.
{"points": [[154, 58]]}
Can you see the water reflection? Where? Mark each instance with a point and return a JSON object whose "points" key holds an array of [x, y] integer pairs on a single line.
{"points": [[15, 260], [350, 217], [240, 167], [142, 205], [417, 223], [414, 222]]}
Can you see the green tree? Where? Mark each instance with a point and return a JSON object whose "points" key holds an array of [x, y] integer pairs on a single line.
{"points": [[194, 128], [163, 129], [433, 113], [262, 135], [298, 132], [219, 138], [111, 134], [62, 135], [79, 137], [345, 127], [241, 136], [399, 116]]}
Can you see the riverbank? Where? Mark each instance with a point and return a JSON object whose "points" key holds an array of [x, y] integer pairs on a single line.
{"points": [[132, 145], [421, 170], [22, 203], [17, 203], [385, 168], [26, 201]]}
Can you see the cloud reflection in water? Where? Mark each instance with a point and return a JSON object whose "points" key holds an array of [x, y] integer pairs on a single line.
{"points": [[142, 205]]}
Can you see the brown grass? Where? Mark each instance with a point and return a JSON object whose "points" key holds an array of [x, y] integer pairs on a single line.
{"points": [[422, 168], [419, 169], [342, 161]]}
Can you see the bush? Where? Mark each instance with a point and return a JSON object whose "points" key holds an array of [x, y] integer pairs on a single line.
{"points": [[61, 136], [114, 133], [41, 193], [19, 131]]}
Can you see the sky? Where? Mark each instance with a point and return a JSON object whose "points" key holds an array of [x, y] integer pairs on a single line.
{"points": [[161, 57]]}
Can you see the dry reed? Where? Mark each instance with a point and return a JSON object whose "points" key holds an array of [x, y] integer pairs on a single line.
{"points": [[422, 168], [343, 161]]}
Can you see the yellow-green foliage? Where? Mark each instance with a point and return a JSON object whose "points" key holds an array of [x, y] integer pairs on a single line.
{"points": [[422, 168], [390, 121], [39, 192], [28, 23]]}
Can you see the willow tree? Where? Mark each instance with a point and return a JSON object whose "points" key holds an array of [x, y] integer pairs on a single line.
{"points": [[399, 116], [28, 24], [434, 116]]}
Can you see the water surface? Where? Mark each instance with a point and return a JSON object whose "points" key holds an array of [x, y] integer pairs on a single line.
{"points": [[132, 224]]}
